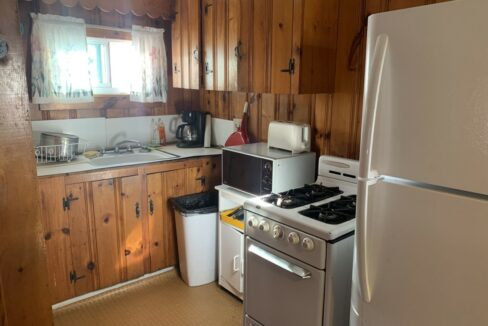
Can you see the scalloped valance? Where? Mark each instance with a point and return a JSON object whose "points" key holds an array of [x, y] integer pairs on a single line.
{"points": [[152, 8]]}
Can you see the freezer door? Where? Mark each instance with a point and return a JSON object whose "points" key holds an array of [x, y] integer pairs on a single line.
{"points": [[423, 254], [426, 96]]}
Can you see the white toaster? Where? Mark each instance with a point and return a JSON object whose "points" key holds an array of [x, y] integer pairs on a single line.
{"points": [[289, 136]]}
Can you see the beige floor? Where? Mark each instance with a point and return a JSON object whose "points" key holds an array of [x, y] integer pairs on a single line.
{"points": [[161, 300]]}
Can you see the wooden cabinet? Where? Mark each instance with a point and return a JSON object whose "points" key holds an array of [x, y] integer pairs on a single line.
{"points": [[185, 34], [304, 39], [239, 18], [67, 236], [132, 226], [106, 225], [109, 226]]}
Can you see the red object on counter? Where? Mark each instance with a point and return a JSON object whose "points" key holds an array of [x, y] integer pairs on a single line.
{"points": [[241, 136], [162, 134]]}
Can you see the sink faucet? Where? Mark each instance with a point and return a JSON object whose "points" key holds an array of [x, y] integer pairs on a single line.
{"points": [[127, 145]]}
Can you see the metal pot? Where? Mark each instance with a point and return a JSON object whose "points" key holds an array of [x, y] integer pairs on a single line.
{"points": [[65, 145]]}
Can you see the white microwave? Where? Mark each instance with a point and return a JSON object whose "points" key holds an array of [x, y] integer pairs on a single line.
{"points": [[259, 170]]}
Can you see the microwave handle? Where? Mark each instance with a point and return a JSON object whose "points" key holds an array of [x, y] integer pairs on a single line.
{"points": [[305, 134], [279, 262]]}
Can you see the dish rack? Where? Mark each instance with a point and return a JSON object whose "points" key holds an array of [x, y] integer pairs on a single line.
{"points": [[58, 153]]}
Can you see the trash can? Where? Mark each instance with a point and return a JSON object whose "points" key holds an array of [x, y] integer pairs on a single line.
{"points": [[196, 234]]}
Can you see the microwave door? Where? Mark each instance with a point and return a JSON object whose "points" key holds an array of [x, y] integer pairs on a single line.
{"points": [[243, 172]]}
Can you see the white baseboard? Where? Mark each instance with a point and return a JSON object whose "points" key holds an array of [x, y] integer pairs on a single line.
{"points": [[94, 293]]}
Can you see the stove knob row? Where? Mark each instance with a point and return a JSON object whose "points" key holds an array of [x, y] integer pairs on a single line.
{"points": [[264, 226], [308, 244], [293, 238], [252, 221], [277, 232]]}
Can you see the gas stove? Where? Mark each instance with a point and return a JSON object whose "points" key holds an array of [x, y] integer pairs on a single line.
{"points": [[325, 209], [308, 233]]}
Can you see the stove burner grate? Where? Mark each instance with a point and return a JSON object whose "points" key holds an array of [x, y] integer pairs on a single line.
{"points": [[335, 212], [302, 196]]}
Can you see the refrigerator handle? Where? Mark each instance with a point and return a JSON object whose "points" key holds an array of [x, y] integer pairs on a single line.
{"points": [[362, 239], [371, 97]]}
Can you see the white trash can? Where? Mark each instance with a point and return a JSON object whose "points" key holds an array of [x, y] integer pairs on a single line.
{"points": [[196, 233]]}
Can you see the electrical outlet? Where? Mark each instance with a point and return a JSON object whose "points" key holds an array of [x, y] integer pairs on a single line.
{"points": [[237, 123]]}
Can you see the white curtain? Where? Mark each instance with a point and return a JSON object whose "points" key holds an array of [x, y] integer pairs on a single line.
{"points": [[150, 77], [59, 60]]}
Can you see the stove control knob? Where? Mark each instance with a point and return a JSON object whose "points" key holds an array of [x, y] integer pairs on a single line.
{"points": [[308, 244], [293, 238], [277, 232], [264, 226], [252, 221]]}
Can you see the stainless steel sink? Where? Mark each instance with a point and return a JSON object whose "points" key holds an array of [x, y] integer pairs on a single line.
{"points": [[131, 158]]}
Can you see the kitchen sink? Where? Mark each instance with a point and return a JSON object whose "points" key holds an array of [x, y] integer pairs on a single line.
{"points": [[131, 158]]}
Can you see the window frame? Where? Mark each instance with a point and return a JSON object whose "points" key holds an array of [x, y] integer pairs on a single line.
{"points": [[107, 89]]}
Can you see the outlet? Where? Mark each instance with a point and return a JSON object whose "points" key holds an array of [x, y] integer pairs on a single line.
{"points": [[237, 123]]}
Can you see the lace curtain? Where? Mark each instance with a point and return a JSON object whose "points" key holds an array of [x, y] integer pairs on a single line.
{"points": [[150, 78], [59, 60]]}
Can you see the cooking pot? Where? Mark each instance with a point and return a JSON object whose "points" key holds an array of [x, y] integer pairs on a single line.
{"points": [[66, 145]]}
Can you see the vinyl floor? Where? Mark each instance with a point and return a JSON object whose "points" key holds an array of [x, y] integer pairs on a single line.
{"points": [[163, 300]]}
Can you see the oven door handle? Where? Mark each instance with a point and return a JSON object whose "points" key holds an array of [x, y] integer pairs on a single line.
{"points": [[279, 262]]}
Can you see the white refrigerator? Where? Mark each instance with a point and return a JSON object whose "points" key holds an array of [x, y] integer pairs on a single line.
{"points": [[421, 256]]}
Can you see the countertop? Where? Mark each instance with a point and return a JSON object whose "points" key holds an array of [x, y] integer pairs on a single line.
{"points": [[82, 164]]}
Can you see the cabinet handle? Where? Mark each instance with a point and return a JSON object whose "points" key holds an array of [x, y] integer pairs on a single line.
{"points": [[67, 201], [176, 69], [138, 210], [126, 252], [195, 54], [236, 263], [207, 69], [237, 50], [207, 5], [291, 67], [151, 207], [73, 277], [202, 180]]}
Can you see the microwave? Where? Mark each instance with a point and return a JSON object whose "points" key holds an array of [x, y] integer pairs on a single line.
{"points": [[259, 170]]}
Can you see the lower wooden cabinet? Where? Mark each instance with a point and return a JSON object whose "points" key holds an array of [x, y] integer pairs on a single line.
{"points": [[105, 227]]}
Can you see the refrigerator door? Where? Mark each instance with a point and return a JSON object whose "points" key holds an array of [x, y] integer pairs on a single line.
{"points": [[424, 253], [426, 96]]}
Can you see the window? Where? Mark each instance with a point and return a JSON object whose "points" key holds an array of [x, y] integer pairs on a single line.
{"points": [[108, 64]]}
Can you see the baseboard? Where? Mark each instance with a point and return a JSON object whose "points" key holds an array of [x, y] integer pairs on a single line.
{"points": [[116, 286]]}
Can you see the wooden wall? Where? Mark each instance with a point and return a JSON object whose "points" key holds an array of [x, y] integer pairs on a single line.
{"points": [[335, 117], [24, 298]]}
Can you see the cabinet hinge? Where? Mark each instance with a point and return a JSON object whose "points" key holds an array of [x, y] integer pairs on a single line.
{"points": [[67, 201], [73, 277]]}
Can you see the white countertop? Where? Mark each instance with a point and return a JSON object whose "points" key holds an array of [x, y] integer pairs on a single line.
{"points": [[82, 164]]}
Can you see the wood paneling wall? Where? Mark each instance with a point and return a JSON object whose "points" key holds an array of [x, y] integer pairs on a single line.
{"points": [[24, 298], [335, 117]]}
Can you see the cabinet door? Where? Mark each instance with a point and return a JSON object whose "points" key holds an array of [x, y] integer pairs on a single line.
{"points": [[261, 45], [55, 227], [176, 31], [194, 39], [156, 220], [131, 200], [231, 258], [175, 186], [212, 172], [83, 264], [208, 43], [106, 232], [239, 14], [282, 40], [220, 47], [195, 180]]}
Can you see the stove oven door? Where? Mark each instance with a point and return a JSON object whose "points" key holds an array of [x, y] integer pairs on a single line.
{"points": [[280, 290]]}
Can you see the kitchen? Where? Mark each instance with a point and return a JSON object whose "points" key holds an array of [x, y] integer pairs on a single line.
{"points": [[221, 57]]}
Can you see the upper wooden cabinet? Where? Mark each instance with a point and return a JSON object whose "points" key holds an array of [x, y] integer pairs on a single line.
{"points": [[185, 35], [303, 47]]}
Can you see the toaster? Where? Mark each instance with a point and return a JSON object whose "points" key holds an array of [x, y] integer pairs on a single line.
{"points": [[289, 136]]}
